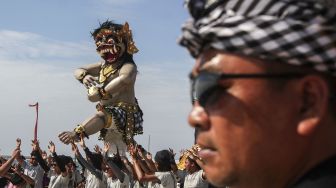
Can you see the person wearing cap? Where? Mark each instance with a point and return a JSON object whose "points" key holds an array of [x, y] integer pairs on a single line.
{"points": [[263, 91]]}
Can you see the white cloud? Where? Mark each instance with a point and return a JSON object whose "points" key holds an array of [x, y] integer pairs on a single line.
{"points": [[32, 69], [31, 47]]}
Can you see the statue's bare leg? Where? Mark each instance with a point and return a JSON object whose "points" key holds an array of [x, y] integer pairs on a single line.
{"points": [[90, 126]]}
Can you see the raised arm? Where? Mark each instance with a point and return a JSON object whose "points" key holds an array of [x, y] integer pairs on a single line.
{"points": [[115, 169], [88, 166], [147, 158], [58, 161], [19, 157], [172, 160], [142, 177], [88, 153], [15, 154], [37, 153], [7, 165]]}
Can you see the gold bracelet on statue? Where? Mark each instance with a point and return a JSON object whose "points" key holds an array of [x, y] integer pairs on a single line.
{"points": [[103, 93], [80, 130]]}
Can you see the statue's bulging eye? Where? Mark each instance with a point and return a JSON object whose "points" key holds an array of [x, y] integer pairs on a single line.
{"points": [[110, 40]]}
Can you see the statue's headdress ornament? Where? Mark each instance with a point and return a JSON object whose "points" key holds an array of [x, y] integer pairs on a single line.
{"points": [[121, 32]]}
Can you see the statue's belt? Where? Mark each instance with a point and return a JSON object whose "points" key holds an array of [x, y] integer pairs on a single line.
{"points": [[130, 110]]}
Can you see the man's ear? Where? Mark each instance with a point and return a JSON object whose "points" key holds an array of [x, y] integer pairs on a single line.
{"points": [[314, 103]]}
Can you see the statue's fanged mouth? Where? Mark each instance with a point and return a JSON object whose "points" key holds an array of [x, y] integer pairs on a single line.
{"points": [[109, 53]]}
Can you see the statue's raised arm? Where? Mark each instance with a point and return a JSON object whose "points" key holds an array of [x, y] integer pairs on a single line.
{"points": [[111, 84]]}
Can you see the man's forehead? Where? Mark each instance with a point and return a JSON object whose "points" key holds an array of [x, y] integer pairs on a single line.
{"points": [[220, 62]]}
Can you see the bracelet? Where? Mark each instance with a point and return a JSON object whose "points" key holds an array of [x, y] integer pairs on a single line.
{"points": [[103, 93], [80, 130]]}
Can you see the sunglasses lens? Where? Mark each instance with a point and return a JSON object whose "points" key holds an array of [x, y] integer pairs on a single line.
{"points": [[202, 87]]}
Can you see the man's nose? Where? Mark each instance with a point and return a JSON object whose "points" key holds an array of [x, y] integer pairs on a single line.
{"points": [[198, 118]]}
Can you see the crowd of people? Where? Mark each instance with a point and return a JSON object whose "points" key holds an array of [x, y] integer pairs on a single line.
{"points": [[98, 170]]}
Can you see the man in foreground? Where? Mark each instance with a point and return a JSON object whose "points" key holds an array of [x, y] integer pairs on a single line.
{"points": [[263, 91]]}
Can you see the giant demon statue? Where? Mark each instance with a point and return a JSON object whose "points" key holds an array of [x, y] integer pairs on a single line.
{"points": [[111, 84]]}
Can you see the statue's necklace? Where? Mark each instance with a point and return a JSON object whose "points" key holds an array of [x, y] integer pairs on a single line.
{"points": [[107, 70]]}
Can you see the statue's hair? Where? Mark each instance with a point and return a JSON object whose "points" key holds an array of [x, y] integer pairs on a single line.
{"points": [[106, 25]]}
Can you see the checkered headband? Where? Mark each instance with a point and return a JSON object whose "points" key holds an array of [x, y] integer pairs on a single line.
{"points": [[298, 32]]}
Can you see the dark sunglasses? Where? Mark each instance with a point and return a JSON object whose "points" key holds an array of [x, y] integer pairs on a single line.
{"points": [[206, 83]]}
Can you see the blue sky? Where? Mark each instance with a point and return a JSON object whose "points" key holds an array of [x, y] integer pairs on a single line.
{"points": [[42, 42]]}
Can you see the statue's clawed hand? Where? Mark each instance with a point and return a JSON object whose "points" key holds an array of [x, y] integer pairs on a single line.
{"points": [[67, 137], [89, 81]]}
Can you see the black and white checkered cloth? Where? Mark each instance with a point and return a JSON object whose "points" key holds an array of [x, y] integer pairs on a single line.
{"points": [[120, 116], [298, 32]]}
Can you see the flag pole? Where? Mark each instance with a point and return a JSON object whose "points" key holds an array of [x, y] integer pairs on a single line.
{"points": [[36, 105]]}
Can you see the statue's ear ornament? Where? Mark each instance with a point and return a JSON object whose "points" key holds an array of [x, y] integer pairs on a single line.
{"points": [[131, 48]]}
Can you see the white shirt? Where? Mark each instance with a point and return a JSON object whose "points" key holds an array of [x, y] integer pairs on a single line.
{"points": [[59, 181], [115, 183], [195, 180], [75, 178], [167, 180], [93, 182], [34, 172]]}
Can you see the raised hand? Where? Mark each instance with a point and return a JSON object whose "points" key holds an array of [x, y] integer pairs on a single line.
{"points": [[81, 141], [18, 143], [52, 147], [140, 151], [98, 149], [132, 151], [44, 155], [106, 147], [16, 153], [74, 148], [172, 152], [36, 145], [149, 156]]}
